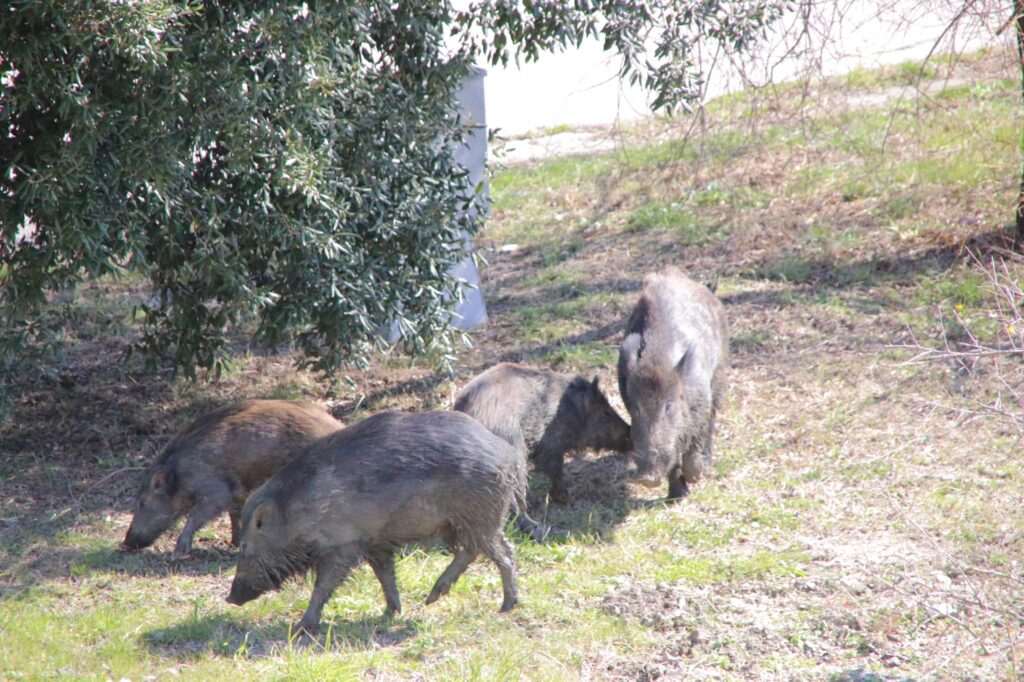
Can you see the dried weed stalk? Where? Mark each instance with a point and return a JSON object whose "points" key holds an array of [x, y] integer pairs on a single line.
{"points": [[971, 351]]}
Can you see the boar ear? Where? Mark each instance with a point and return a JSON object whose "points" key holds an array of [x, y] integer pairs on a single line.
{"points": [[594, 384], [681, 365], [263, 514], [580, 395], [631, 348]]}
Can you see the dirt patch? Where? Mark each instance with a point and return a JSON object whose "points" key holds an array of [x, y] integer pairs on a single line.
{"points": [[660, 606], [599, 480]]}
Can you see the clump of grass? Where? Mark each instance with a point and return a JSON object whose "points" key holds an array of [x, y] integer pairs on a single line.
{"points": [[689, 228]]}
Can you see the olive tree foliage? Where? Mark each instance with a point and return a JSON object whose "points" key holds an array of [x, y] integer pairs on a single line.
{"points": [[282, 165]]}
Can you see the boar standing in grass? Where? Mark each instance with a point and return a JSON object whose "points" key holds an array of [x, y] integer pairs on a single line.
{"points": [[366, 491], [672, 365], [212, 465], [544, 415]]}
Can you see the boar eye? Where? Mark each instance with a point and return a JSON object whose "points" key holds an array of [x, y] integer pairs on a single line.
{"points": [[259, 524]]}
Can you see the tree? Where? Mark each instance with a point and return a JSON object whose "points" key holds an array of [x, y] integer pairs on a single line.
{"points": [[275, 162], [1018, 21]]}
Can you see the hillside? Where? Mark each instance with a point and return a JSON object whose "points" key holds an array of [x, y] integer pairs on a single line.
{"points": [[861, 523]]}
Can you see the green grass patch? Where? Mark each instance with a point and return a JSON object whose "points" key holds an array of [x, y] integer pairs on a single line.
{"points": [[904, 73], [582, 357], [690, 228], [791, 268]]}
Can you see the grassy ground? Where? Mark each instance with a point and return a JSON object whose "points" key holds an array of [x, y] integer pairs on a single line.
{"points": [[857, 526]]}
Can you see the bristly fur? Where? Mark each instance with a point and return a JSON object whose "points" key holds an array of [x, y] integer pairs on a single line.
{"points": [[544, 415], [672, 365], [213, 464], [391, 479], [280, 566]]}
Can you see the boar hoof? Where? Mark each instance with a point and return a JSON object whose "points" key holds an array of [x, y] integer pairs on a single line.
{"points": [[678, 488], [508, 604], [540, 532], [559, 496], [304, 628], [436, 593]]}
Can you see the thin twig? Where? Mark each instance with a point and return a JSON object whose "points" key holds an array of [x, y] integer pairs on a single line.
{"points": [[111, 475], [920, 73]]}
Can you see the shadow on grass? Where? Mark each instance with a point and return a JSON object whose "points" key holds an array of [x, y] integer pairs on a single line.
{"points": [[861, 675], [826, 271], [152, 564], [40, 566], [221, 635], [599, 501], [421, 387]]}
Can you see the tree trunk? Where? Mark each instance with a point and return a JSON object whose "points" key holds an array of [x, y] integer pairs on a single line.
{"points": [[1018, 19]]}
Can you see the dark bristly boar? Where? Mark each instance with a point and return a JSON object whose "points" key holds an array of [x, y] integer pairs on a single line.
{"points": [[371, 488], [544, 415], [212, 465], [672, 365]]}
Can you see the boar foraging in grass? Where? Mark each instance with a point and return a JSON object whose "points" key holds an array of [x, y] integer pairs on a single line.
{"points": [[365, 491], [672, 365], [212, 465], [544, 415]]}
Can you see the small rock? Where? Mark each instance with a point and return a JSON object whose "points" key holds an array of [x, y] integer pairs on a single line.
{"points": [[943, 608], [508, 248], [942, 579], [694, 637], [854, 585]]}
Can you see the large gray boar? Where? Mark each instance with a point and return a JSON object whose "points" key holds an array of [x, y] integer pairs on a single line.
{"points": [[544, 415], [212, 465], [365, 491], [672, 366]]}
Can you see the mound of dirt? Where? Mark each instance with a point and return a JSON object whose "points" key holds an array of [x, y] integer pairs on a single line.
{"points": [[598, 480]]}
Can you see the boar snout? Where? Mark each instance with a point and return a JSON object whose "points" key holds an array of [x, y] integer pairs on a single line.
{"points": [[646, 471], [241, 593], [648, 481], [134, 541]]}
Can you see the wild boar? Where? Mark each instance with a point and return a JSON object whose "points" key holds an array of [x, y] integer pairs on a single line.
{"points": [[367, 490], [672, 373], [544, 415], [212, 465]]}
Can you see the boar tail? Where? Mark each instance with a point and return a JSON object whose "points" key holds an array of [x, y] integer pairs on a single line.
{"points": [[520, 504]]}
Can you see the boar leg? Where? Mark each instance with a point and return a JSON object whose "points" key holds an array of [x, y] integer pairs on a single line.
{"points": [[698, 460], [463, 558], [499, 551], [677, 485], [382, 561], [209, 507], [235, 514], [707, 442], [330, 572], [538, 531], [552, 463]]}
